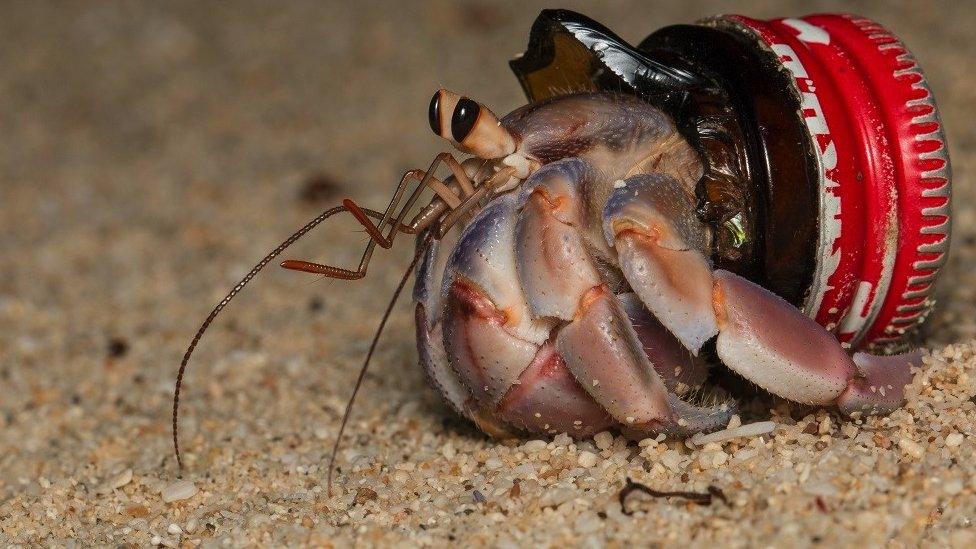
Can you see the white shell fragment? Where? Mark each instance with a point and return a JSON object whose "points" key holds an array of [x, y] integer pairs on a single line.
{"points": [[750, 430], [179, 490], [123, 478]]}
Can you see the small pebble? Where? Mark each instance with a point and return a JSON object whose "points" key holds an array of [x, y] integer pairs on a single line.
{"points": [[534, 446], [586, 459], [562, 439], [448, 451], [751, 430], [911, 448], [174, 529], [179, 490], [364, 494], [603, 440], [952, 487], [954, 439]]}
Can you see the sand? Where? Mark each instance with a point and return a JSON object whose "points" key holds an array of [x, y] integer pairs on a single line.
{"points": [[149, 154]]}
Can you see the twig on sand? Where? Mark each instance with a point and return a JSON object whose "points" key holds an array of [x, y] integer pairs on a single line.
{"points": [[701, 498]]}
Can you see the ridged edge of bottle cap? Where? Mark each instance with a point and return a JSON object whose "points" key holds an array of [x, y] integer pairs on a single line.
{"points": [[885, 173]]}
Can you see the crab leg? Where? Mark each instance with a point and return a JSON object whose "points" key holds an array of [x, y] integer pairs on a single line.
{"points": [[760, 336], [554, 265], [497, 348], [602, 351], [430, 340], [599, 344], [488, 332], [651, 222], [770, 342], [879, 385], [548, 399], [514, 382]]}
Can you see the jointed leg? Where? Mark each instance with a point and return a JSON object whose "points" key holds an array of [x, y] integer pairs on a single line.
{"points": [[598, 343], [474, 199], [395, 221]]}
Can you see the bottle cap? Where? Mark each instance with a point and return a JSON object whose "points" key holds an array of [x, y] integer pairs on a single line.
{"points": [[884, 171], [850, 195]]}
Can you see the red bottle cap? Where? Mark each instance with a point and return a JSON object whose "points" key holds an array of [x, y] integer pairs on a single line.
{"points": [[884, 172]]}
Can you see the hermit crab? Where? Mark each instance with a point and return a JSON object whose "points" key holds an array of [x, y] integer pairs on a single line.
{"points": [[571, 268]]}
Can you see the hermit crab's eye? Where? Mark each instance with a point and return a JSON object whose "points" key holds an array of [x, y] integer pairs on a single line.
{"points": [[470, 126], [434, 112], [465, 115]]}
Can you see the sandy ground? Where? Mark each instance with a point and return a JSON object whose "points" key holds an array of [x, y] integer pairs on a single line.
{"points": [[149, 154]]}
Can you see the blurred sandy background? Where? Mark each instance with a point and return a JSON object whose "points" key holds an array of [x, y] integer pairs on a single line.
{"points": [[151, 152]]}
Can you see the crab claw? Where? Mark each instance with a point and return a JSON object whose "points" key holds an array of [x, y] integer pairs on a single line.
{"points": [[603, 352], [554, 264], [489, 334], [768, 341], [879, 387], [548, 399], [650, 221]]}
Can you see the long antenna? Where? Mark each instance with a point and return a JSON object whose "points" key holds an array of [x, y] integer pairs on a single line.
{"points": [[223, 303], [369, 355]]}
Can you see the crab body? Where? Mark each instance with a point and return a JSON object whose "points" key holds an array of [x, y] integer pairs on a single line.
{"points": [[577, 298]]}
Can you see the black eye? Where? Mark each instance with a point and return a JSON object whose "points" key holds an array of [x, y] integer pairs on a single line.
{"points": [[465, 115], [434, 112]]}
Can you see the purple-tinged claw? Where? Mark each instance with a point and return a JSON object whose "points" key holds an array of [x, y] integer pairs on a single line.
{"points": [[691, 419], [879, 387], [698, 419], [603, 353], [430, 347], [548, 399], [430, 275], [485, 256], [651, 222], [554, 264], [676, 286], [487, 358], [771, 343], [648, 202]]}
